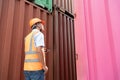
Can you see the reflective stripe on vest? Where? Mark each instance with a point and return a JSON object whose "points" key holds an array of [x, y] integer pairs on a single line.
{"points": [[31, 52], [31, 60]]}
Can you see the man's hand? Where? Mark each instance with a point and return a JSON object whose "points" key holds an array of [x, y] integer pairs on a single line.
{"points": [[45, 68]]}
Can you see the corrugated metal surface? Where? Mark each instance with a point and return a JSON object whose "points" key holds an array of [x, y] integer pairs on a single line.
{"points": [[97, 26], [59, 38], [64, 49], [14, 19], [65, 4]]}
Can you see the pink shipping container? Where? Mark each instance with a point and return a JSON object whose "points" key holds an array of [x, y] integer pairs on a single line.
{"points": [[97, 29]]}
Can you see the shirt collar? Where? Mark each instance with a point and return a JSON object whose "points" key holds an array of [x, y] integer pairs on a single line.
{"points": [[34, 30]]}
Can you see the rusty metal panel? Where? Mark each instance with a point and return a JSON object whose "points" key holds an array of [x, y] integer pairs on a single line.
{"points": [[14, 19], [56, 47], [64, 4], [64, 47], [6, 35]]}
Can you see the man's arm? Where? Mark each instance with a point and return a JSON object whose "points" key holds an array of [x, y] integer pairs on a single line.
{"points": [[39, 42], [42, 57]]}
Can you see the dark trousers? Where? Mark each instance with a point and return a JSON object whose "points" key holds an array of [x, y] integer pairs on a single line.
{"points": [[34, 75]]}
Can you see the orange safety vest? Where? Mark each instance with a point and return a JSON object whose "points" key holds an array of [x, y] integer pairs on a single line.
{"points": [[31, 62]]}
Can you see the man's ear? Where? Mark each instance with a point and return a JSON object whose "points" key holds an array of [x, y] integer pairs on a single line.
{"points": [[42, 27]]}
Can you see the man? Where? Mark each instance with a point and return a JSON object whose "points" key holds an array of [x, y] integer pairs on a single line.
{"points": [[35, 63]]}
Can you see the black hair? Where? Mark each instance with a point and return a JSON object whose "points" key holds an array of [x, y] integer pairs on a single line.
{"points": [[34, 27]]}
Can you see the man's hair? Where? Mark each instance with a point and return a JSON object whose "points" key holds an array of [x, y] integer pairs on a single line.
{"points": [[34, 26]]}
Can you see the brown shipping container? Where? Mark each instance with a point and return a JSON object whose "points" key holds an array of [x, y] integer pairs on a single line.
{"points": [[64, 47], [59, 40], [65, 5], [14, 26]]}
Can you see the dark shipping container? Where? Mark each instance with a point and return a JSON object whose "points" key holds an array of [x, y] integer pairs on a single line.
{"points": [[64, 47], [59, 39], [66, 5]]}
